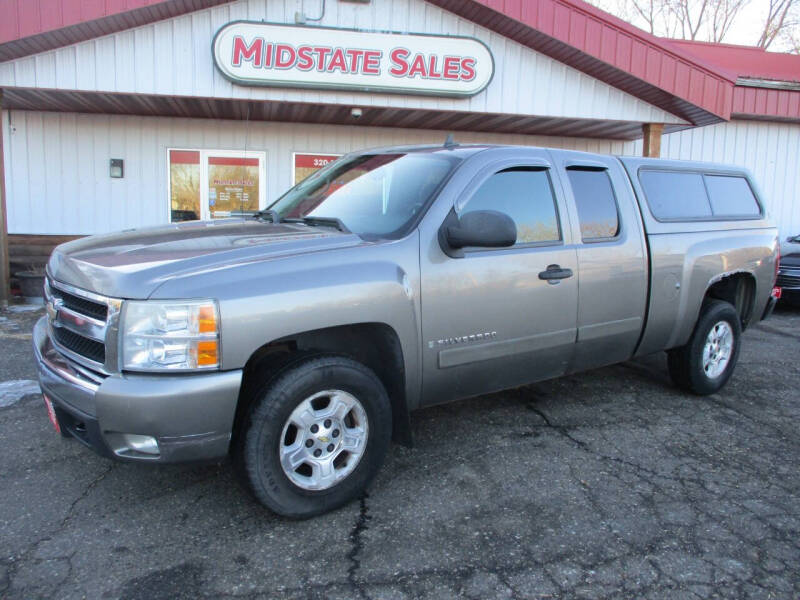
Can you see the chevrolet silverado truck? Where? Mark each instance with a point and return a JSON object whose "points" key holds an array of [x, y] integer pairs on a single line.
{"points": [[299, 339]]}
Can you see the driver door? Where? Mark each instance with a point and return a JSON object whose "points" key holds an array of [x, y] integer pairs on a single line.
{"points": [[489, 321]]}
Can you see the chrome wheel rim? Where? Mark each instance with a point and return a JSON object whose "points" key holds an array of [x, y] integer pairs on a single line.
{"points": [[323, 440], [718, 349]]}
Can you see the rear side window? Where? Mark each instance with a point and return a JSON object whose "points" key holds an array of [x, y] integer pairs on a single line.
{"points": [[680, 195], [731, 196], [675, 195], [525, 195], [597, 206]]}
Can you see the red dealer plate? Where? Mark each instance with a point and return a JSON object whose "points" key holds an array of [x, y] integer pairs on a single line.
{"points": [[51, 412]]}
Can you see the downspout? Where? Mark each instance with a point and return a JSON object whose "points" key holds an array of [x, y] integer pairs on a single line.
{"points": [[5, 267]]}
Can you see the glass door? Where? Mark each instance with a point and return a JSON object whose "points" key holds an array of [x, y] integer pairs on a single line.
{"points": [[214, 184]]}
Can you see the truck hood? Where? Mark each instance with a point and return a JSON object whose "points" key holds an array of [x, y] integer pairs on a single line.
{"points": [[133, 263]]}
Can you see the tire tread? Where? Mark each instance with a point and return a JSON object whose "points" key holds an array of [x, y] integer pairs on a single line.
{"points": [[683, 362], [269, 398]]}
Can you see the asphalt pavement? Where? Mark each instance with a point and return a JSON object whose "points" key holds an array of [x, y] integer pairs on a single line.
{"points": [[608, 484]]}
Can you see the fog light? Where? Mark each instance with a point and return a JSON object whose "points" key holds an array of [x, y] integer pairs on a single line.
{"points": [[141, 443]]}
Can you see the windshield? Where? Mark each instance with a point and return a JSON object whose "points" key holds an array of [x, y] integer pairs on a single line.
{"points": [[371, 194]]}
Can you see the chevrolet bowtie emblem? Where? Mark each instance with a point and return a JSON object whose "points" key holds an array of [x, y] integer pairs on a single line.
{"points": [[52, 310], [323, 439]]}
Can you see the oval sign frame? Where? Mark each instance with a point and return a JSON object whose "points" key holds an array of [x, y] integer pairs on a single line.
{"points": [[254, 73]]}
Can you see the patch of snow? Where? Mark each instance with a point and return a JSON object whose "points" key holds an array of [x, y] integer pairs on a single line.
{"points": [[15, 390], [18, 308]]}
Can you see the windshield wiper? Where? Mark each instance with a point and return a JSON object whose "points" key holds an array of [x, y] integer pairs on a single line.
{"points": [[326, 222], [274, 215]]}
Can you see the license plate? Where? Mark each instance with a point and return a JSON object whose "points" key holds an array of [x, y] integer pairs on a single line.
{"points": [[51, 413]]}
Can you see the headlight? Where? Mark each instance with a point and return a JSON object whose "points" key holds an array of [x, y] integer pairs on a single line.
{"points": [[168, 335]]}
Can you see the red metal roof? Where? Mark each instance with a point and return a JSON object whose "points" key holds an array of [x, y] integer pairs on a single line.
{"points": [[24, 18], [32, 26], [759, 94], [766, 104], [611, 50], [746, 61]]}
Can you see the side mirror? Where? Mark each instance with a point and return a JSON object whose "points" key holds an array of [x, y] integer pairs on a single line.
{"points": [[480, 229]]}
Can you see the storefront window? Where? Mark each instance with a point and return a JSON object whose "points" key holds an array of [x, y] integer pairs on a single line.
{"points": [[184, 185], [234, 183], [306, 163]]}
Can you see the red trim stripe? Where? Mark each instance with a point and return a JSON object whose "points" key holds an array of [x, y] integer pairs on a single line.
{"points": [[233, 161], [305, 161], [184, 157]]}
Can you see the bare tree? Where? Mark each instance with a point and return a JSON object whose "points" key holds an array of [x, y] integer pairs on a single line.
{"points": [[689, 19], [710, 20], [723, 14], [782, 19], [690, 16], [793, 40], [651, 11]]}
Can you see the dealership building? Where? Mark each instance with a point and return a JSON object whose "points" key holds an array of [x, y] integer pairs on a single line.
{"points": [[128, 113]]}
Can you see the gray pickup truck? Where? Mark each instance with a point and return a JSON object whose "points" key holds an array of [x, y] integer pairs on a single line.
{"points": [[298, 340]]}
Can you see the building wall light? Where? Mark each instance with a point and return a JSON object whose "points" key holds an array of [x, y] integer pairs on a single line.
{"points": [[116, 168]]}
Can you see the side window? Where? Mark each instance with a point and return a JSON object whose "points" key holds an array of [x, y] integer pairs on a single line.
{"points": [[597, 205], [675, 195], [731, 196], [525, 195]]}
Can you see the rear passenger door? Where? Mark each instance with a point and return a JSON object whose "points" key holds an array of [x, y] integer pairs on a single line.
{"points": [[490, 321], [612, 258]]}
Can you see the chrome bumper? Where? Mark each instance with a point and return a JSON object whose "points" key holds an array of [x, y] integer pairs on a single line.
{"points": [[191, 416]]}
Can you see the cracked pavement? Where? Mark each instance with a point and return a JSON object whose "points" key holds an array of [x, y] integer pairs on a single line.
{"points": [[608, 484]]}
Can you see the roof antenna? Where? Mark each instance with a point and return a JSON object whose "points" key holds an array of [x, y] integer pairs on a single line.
{"points": [[450, 142]]}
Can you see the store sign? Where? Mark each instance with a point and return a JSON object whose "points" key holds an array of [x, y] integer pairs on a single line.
{"points": [[305, 164], [254, 53]]}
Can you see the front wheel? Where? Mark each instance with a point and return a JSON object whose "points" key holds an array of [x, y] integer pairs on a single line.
{"points": [[708, 359], [315, 436]]}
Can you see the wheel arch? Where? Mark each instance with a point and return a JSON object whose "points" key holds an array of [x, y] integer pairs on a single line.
{"points": [[738, 288], [374, 344]]}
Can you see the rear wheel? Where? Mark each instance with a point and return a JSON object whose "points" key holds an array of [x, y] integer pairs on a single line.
{"points": [[704, 365], [315, 436]]}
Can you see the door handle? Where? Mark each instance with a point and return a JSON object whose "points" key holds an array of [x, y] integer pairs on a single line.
{"points": [[554, 273]]}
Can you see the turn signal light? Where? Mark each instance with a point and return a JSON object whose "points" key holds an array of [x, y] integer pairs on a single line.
{"points": [[207, 319], [207, 353]]}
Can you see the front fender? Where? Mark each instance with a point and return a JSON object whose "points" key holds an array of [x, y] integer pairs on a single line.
{"points": [[272, 299]]}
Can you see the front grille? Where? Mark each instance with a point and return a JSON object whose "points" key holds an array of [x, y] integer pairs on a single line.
{"points": [[78, 344], [788, 278], [82, 337], [82, 305]]}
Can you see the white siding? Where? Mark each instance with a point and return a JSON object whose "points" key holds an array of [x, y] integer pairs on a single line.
{"points": [[57, 163], [174, 57], [770, 150]]}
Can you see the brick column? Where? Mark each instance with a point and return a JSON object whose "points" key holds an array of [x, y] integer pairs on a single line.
{"points": [[651, 145]]}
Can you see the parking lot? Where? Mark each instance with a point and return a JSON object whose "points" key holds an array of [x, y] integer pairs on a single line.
{"points": [[607, 484]]}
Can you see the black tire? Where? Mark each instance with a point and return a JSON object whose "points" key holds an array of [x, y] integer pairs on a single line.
{"points": [[686, 363], [257, 453]]}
